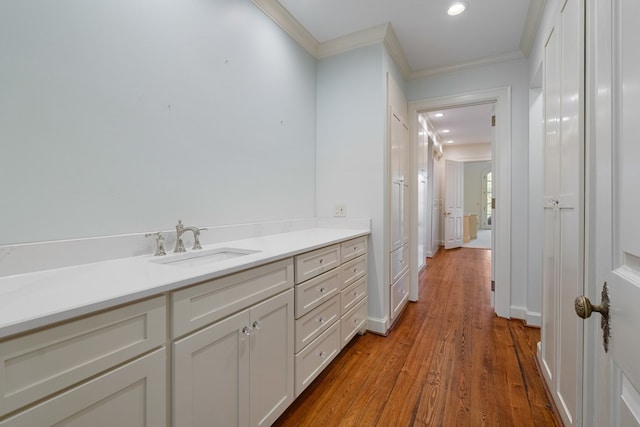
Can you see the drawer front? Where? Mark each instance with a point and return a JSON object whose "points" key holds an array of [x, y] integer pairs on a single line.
{"points": [[315, 322], [349, 297], [399, 262], [38, 364], [316, 356], [399, 295], [316, 262], [353, 248], [131, 395], [353, 322], [314, 292], [210, 301], [353, 270]]}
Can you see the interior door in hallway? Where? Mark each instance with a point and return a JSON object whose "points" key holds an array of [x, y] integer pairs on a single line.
{"points": [[561, 352], [454, 200], [617, 237]]}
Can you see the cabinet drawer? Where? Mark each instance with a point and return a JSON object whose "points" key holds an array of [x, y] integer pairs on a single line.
{"points": [[210, 301], [353, 322], [37, 364], [131, 395], [316, 262], [399, 262], [399, 295], [316, 356], [353, 270], [314, 292], [353, 248], [349, 297], [315, 322]]}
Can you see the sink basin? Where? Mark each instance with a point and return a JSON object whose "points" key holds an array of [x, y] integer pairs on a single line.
{"points": [[202, 257]]}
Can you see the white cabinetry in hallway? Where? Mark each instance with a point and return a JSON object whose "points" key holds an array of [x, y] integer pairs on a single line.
{"points": [[399, 196]]}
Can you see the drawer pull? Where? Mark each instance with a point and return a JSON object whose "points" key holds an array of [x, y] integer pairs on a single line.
{"points": [[322, 354], [323, 290], [355, 293], [321, 260], [355, 270], [321, 319]]}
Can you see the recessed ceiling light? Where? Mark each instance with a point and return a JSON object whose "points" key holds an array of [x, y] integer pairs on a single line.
{"points": [[457, 8], [449, 142], [438, 115], [445, 131]]}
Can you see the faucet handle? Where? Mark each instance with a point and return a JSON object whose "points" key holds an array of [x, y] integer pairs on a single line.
{"points": [[159, 243], [196, 238]]}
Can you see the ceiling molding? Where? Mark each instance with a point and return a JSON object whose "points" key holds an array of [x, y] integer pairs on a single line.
{"points": [[352, 41], [534, 15], [396, 52], [385, 34], [487, 60], [274, 10]]}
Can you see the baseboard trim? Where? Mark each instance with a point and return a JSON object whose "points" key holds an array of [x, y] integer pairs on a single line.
{"points": [[531, 318], [378, 326]]}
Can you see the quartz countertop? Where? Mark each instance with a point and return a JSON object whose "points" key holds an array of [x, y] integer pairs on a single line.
{"points": [[37, 299]]}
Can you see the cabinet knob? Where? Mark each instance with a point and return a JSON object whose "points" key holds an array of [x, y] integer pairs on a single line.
{"points": [[322, 354], [321, 260], [321, 319], [246, 331], [256, 325], [323, 290]]}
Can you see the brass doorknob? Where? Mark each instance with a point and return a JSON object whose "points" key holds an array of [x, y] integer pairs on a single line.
{"points": [[584, 308]]}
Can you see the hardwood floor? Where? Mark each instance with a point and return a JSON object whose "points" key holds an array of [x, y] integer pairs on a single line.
{"points": [[449, 361]]}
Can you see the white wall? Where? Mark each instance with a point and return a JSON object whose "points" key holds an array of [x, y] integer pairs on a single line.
{"points": [[513, 74], [474, 187], [118, 118], [467, 152]]}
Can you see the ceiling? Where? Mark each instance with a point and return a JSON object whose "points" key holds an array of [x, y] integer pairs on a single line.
{"points": [[430, 41]]}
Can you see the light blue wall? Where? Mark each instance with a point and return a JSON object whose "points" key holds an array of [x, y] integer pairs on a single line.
{"points": [[350, 159], [120, 117]]}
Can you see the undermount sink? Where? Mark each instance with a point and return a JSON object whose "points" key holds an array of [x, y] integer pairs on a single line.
{"points": [[201, 257]]}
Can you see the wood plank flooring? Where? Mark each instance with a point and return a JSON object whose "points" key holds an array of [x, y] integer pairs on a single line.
{"points": [[449, 361]]}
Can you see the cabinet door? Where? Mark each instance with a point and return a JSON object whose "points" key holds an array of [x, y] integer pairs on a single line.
{"points": [[133, 395], [211, 375], [272, 369]]}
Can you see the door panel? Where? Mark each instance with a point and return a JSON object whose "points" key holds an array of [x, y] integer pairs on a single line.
{"points": [[624, 277], [454, 208], [616, 96], [563, 247]]}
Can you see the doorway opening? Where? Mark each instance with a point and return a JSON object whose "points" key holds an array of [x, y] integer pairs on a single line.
{"points": [[500, 181]]}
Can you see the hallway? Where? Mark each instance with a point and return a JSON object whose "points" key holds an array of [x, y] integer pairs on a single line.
{"points": [[448, 362]]}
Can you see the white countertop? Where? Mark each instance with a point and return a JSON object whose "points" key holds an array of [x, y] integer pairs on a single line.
{"points": [[37, 299]]}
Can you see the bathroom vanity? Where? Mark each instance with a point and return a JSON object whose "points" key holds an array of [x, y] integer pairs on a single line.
{"points": [[181, 340]]}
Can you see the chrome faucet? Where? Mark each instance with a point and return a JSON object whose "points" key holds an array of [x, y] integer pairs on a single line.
{"points": [[180, 229]]}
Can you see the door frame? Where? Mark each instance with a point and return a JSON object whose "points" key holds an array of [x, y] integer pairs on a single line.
{"points": [[501, 158]]}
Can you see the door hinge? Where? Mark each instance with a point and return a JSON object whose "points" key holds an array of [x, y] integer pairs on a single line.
{"points": [[493, 203], [493, 286], [493, 121]]}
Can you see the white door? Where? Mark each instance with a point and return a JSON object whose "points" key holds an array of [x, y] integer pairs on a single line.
{"points": [[453, 199], [563, 245], [615, 381]]}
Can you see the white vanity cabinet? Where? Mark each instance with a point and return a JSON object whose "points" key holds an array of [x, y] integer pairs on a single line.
{"points": [[101, 370], [238, 370], [331, 305]]}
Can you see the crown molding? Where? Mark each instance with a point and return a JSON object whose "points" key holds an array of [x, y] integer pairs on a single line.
{"points": [[487, 60], [534, 16], [385, 34], [352, 41], [274, 10]]}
